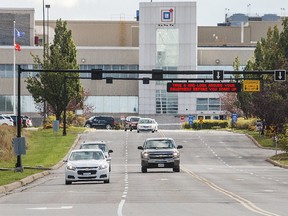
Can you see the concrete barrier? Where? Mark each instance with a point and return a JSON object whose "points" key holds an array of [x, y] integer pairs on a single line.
{"points": [[12, 186], [2, 189], [27, 180]]}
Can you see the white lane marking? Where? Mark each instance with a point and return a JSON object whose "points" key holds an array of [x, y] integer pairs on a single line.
{"points": [[120, 207], [51, 208]]}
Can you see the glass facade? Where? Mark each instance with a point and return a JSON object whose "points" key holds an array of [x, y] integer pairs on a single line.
{"points": [[100, 104], [166, 103], [208, 104], [167, 48], [167, 58]]}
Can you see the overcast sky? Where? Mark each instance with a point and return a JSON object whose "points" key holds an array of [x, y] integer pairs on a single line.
{"points": [[209, 12]]}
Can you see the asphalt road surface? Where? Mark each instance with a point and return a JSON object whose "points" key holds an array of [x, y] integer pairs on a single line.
{"points": [[222, 173]]}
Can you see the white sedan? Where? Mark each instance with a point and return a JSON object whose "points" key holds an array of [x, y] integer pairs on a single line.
{"points": [[99, 145], [86, 165], [147, 124], [6, 121]]}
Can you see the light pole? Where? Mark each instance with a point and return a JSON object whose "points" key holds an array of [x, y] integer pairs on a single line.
{"points": [[43, 40], [47, 7]]}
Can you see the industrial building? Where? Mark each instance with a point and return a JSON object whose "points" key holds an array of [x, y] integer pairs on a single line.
{"points": [[165, 37]]}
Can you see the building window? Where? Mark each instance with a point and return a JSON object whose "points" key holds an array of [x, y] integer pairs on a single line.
{"points": [[6, 104], [111, 68], [208, 104], [166, 103]]}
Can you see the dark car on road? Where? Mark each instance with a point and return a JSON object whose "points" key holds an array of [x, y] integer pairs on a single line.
{"points": [[160, 153], [131, 123], [101, 122]]}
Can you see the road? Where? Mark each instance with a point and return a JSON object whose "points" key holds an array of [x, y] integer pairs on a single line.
{"points": [[222, 173]]}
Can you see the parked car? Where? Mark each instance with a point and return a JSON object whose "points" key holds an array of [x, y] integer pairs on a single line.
{"points": [[99, 145], [100, 122], [147, 124], [160, 153], [131, 123], [26, 121], [86, 165], [7, 117], [6, 121]]}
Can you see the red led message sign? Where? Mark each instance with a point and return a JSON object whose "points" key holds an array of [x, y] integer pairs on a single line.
{"points": [[203, 87]]}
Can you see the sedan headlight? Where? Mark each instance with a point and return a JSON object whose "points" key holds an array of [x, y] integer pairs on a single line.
{"points": [[70, 167], [103, 166]]}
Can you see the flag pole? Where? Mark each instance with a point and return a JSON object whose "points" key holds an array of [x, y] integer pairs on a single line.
{"points": [[14, 71]]}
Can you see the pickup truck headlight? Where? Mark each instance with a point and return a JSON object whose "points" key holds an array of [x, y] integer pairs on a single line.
{"points": [[176, 155], [145, 155]]}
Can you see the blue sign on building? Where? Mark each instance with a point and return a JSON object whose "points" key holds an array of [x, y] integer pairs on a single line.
{"points": [[167, 15]]}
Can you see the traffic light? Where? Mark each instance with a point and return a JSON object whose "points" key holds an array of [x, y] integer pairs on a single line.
{"points": [[146, 80], [157, 74], [96, 74]]}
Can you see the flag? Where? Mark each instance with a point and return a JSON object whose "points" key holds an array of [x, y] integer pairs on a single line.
{"points": [[17, 47], [19, 33]]}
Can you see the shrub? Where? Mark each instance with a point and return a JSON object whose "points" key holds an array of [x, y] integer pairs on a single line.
{"points": [[207, 124], [79, 121], [49, 122], [7, 133], [246, 124], [283, 142]]}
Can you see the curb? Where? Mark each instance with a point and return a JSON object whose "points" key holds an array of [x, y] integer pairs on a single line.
{"points": [[275, 163], [5, 189]]}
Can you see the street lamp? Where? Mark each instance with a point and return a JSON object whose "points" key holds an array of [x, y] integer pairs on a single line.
{"points": [[43, 39], [47, 7]]}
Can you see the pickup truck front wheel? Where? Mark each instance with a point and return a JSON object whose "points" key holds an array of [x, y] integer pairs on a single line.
{"points": [[144, 169], [176, 169]]}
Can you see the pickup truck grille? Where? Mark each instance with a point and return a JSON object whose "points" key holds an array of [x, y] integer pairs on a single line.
{"points": [[160, 155]]}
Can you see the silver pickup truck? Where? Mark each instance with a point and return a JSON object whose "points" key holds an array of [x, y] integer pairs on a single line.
{"points": [[160, 153]]}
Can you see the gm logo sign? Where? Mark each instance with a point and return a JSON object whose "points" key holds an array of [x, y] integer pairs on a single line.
{"points": [[167, 15]]}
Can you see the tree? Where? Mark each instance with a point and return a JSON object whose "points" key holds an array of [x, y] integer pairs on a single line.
{"points": [[229, 100], [271, 103], [49, 86]]}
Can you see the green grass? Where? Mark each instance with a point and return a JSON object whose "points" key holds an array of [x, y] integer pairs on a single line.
{"points": [[264, 141], [44, 148], [281, 158]]}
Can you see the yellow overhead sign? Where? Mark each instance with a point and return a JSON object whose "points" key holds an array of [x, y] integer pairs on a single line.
{"points": [[251, 85]]}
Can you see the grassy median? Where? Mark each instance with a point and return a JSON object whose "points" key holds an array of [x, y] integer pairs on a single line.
{"points": [[45, 148]]}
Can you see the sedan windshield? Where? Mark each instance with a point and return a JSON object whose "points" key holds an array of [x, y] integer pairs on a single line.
{"points": [[145, 121], [89, 155], [94, 146]]}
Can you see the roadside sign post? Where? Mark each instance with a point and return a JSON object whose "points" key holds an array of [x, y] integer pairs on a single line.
{"points": [[234, 118], [191, 120], [201, 121]]}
